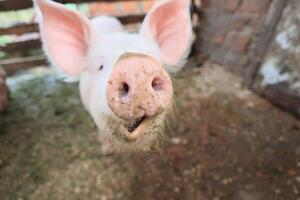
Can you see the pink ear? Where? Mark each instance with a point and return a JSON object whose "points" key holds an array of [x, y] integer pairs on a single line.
{"points": [[169, 25], [66, 36]]}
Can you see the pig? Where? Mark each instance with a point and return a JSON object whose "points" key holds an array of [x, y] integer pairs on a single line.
{"points": [[124, 78]]}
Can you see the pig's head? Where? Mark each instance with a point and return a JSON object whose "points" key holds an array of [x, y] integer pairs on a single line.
{"points": [[124, 80]]}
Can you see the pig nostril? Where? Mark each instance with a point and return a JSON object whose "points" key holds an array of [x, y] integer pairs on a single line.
{"points": [[124, 90], [157, 84]]}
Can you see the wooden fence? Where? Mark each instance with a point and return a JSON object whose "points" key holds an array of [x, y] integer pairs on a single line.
{"points": [[8, 5]]}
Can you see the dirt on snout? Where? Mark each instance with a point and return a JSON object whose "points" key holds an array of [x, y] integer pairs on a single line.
{"points": [[224, 143]]}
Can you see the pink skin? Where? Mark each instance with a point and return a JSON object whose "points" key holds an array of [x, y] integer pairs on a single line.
{"points": [[123, 76], [68, 42], [157, 24], [138, 87]]}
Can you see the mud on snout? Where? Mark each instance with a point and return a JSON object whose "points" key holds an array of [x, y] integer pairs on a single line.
{"points": [[141, 134]]}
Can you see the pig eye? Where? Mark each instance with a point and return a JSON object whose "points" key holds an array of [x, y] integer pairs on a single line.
{"points": [[100, 68]]}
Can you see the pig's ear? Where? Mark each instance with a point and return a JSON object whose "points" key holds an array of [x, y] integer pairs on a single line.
{"points": [[66, 36], [169, 26]]}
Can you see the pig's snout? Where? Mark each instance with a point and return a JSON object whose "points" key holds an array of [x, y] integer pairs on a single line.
{"points": [[139, 87]]}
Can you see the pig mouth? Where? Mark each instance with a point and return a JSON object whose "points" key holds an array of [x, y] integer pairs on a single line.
{"points": [[138, 130], [141, 133], [134, 130], [135, 124]]}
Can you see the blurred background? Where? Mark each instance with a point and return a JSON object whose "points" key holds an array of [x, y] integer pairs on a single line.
{"points": [[236, 130]]}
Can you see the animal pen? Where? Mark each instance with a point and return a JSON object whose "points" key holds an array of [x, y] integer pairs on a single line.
{"points": [[233, 33], [236, 129]]}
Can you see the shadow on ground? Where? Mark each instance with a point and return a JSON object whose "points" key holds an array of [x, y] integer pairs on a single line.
{"points": [[225, 143]]}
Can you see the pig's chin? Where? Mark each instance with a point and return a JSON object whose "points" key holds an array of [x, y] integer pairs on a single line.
{"points": [[139, 134]]}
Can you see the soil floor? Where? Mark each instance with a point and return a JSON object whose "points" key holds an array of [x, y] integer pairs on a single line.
{"points": [[224, 143]]}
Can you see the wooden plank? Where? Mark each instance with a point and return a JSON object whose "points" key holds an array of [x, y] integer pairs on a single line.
{"points": [[280, 96], [266, 34], [20, 29], [21, 46], [129, 19], [9, 5], [36, 43], [11, 66]]}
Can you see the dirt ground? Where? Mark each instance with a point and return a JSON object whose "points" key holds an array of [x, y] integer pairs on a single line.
{"points": [[224, 143]]}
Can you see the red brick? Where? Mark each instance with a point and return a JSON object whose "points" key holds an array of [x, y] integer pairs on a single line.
{"points": [[254, 7], [198, 3], [240, 23], [212, 3], [238, 41], [96, 9], [241, 42], [230, 39], [219, 39], [147, 5], [231, 5], [129, 8]]}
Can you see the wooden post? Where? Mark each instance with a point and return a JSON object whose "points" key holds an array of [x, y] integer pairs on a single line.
{"points": [[281, 97], [264, 40], [11, 66], [3, 90]]}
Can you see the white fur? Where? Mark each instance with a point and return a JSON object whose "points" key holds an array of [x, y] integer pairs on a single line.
{"points": [[111, 46], [107, 25], [109, 41]]}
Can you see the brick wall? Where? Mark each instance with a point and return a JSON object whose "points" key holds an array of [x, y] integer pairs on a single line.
{"points": [[228, 29], [120, 8]]}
